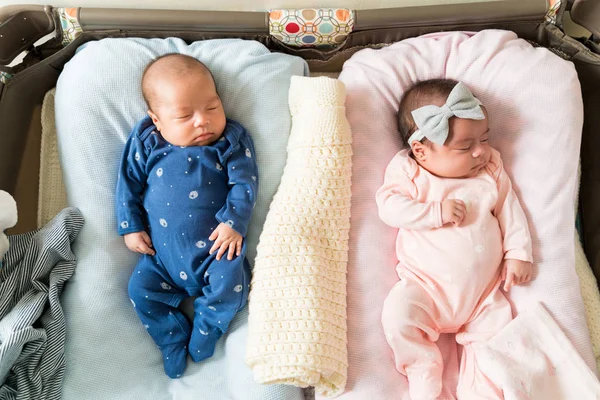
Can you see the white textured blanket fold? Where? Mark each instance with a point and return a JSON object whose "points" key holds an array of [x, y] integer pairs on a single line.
{"points": [[531, 358], [297, 323]]}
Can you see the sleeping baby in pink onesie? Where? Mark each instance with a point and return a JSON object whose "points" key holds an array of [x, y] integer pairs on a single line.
{"points": [[462, 232]]}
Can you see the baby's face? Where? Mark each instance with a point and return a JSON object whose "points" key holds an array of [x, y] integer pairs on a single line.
{"points": [[463, 155], [188, 111]]}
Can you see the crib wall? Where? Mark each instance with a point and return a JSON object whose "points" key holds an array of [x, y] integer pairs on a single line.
{"points": [[242, 5]]}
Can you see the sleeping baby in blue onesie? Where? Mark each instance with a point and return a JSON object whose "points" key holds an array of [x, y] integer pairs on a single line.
{"points": [[186, 190]]}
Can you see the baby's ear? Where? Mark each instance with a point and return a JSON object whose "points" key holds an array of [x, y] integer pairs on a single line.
{"points": [[155, 119], [485, 112], [418, 149]]}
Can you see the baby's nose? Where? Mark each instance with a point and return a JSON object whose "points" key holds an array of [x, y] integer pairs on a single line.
{"points": [[200, 121], [477, 152]]}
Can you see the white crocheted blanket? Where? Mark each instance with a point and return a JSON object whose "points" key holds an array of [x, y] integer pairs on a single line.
{"points": [[297, 323]]}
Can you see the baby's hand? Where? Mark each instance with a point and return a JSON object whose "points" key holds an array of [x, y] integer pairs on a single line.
{"points": [[516, 272], [226, 239], [453, 211], [139, 242]]}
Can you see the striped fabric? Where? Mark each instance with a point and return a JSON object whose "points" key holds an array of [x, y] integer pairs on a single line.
{"points": [[32, 322]]}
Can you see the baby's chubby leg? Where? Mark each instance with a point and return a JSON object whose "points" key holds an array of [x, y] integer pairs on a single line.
{"points": [[411, 331], [224, 294], [155, 299], [491, 315]]}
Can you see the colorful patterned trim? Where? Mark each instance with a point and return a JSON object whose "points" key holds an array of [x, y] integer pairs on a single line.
{"points": [[69, 24], [311, 27], [553, 8], [4, 77]]}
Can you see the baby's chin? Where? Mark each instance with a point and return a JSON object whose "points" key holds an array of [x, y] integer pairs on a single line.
{"points": [[475, 171], [453, 174], [471, 173], [205, 142], [199, 142]]}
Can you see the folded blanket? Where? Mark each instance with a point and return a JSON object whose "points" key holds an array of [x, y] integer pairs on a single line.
{"points": [[52, 194], [32, 323], [531, 358], [297, 323]]}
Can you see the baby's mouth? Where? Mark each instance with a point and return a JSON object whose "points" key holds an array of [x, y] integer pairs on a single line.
{"points": [[478, 168], [203, 136], [480, 165]]}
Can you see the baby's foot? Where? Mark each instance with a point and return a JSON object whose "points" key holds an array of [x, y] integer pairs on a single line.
{"points": [[202, 343], [174, 359]]}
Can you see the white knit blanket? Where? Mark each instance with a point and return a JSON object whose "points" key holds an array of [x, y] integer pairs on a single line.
{"points": [[297, 323]]}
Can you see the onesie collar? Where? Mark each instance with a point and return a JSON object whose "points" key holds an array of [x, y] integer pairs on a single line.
{"points": [[233, 132]]}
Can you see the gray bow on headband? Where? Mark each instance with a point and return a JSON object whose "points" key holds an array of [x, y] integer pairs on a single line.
{"points": [[432, 121]]}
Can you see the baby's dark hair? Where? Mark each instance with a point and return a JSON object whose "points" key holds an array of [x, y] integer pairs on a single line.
{"points": [[178, 64], [421, 94]]}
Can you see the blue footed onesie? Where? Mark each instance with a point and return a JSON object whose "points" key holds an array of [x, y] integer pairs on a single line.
{"points": [[179, 195]]}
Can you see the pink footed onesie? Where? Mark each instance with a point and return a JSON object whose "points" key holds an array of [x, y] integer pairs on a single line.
{"points": [[449, 276]]}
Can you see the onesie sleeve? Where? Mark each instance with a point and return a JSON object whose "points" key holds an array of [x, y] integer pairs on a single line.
{"points": [[396, 198], [243, 183], [510, 215], [130, 186]]}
